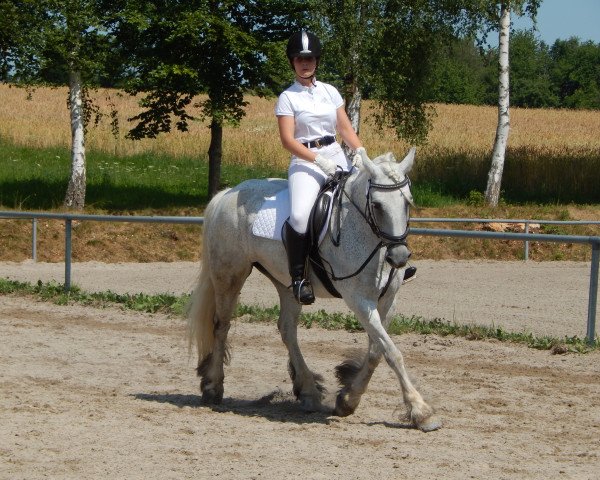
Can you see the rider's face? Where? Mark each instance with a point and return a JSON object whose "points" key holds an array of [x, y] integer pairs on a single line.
{"points": [[305, 66]]}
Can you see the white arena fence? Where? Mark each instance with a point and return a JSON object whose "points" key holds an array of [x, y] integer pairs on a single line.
{"points": [[526, 237]]}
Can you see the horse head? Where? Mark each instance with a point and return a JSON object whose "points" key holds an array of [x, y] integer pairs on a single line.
{"points": [[388, 202]]}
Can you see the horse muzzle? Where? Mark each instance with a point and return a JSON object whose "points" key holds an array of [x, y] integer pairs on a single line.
{"points": [[397, 255]]}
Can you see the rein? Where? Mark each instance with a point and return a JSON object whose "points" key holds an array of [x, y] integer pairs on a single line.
{"points": [[385, 239]]}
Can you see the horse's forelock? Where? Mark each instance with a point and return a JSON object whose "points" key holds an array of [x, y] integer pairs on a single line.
{"points": [[389, 168]]}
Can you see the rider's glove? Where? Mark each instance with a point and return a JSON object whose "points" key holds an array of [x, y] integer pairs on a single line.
{"points": [[357, 160], [326, 164]]}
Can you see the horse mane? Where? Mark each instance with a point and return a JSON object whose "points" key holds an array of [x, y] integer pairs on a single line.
{"points": [[387, 162]]}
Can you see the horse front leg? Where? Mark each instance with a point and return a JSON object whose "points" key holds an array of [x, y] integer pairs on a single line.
{"points": [[420, 413], [307, 385]]}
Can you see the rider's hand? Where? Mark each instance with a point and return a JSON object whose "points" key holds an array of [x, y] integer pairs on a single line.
{"points": [[357, 160], [326, 164]]}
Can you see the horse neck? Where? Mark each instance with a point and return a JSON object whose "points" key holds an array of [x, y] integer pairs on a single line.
{"points": [[354, 226]]}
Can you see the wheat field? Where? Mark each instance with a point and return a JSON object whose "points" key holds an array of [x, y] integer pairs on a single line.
{"points": [[40, 118]]}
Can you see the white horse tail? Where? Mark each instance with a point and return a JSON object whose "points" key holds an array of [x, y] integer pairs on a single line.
{"points": [[202, 313], [202, 310]]}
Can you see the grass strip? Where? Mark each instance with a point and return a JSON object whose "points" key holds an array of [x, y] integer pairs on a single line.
{"points": [[400, 324]]}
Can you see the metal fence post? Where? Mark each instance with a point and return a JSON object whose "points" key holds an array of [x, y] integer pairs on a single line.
{"points": [[593, 297], [34, 239], [526, 242], [68, 225]]}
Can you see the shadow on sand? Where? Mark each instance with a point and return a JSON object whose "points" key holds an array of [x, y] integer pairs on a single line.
{"points": [[276, 406]]}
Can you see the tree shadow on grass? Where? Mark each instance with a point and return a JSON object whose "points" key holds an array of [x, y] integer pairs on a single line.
{"points": [[41, 194]]}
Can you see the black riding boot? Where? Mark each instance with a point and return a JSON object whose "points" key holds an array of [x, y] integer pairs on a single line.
{"points": [[409, 274], [296, 246]]}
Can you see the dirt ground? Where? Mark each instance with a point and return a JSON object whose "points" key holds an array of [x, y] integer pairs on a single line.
{"points": [[97, 393]]}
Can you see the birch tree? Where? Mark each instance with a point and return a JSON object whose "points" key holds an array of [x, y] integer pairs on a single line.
{"points": [[71, 42], [78, 43], [492, 192], [502, 20]]}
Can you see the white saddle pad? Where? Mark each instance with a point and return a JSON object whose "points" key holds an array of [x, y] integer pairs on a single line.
{"points": [[274, 212], [269, 219]]}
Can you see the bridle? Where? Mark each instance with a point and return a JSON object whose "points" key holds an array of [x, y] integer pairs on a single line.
{"points": [[385, 239]]}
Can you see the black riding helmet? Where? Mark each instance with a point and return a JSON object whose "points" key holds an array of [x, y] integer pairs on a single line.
{"points": [[303, 44]]}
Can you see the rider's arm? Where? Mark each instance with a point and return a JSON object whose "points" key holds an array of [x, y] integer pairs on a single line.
{"points": [[286, 134]]}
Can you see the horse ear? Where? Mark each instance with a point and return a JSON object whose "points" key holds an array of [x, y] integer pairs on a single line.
{"points": [[367, 162], [407, 163]]}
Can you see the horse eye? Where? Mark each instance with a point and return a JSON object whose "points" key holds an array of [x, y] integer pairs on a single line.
{"points": [[376, 206]]}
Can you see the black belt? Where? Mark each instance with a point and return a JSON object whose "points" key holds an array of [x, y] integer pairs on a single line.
{"points": [[320, 142]]}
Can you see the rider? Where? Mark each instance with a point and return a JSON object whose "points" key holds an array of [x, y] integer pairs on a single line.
{"points": [[309, 114]]}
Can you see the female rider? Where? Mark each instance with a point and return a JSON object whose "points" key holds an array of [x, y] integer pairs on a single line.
{"points": [[309, 114]]}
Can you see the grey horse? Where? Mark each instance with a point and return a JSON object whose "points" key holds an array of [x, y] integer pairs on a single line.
{"points": [[372, 221]]}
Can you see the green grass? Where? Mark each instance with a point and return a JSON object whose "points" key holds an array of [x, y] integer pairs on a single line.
{"points": [[176, 306], [36, 179]]}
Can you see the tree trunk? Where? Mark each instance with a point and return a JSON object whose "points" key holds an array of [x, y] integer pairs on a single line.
{"points": [[492, 192], [215, 155], [75, 197], [353, 101], [352, 98]]}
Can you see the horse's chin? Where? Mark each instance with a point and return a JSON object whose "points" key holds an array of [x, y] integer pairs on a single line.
{"points": [[397, 255]]}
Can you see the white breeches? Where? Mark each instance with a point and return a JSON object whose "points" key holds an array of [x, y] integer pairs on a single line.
{"points": [[305, 180]]}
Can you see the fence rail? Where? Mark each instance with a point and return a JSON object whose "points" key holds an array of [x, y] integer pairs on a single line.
{"points": [[594, 241]]}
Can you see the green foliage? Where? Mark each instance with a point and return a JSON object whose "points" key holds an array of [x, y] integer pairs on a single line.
{"points": [[54, 292], [389, 54], [575, 73], [531, 84], [476, 198], [178, 50], [34, 179], [459, 73], [176, 306]]}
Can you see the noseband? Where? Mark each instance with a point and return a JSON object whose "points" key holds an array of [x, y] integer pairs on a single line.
{"points": [[387, 239]]}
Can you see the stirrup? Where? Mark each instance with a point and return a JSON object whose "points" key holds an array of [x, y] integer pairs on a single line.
{"points": [[409, 274], [303, 292]]}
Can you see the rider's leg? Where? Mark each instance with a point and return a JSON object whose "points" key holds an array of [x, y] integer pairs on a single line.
{"points": [[296, 245], [304, 181]]}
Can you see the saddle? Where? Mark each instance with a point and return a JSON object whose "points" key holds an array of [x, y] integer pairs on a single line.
{"points": [[318, 223]]}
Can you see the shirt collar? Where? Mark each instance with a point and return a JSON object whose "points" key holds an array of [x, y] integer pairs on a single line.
{"points": [[307, 89]]}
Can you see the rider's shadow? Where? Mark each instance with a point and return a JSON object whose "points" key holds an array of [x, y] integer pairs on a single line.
{"points": [[275, 406]]}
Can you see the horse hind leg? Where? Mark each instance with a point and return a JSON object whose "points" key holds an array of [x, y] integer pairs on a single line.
{"points": [[354, 375], [307, 386], [211, 368]]}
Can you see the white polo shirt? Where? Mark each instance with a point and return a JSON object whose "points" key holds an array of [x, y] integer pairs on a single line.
{"points": [[313, 108]]}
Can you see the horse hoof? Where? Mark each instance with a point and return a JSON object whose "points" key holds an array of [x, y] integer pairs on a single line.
{"points": [[342, 408], [310, 404], [212, 397], [430, 424]]}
